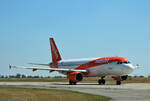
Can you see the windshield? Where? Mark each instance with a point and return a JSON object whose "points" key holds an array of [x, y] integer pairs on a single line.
{"points": [[123, 62]]}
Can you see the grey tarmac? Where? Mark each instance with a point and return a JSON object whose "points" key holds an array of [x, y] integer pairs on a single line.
{"points": [[124, 92]]}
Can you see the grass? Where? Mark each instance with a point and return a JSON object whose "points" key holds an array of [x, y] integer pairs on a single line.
{"points": [[138, 80], [33, 94], [89, 79]]}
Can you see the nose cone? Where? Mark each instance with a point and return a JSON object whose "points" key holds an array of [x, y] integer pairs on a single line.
{"points": [[129, 68]]}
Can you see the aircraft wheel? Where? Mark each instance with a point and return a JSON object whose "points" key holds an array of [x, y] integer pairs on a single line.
{"points": [[118, 82], [100, 82], [72, 83], [103, 82]]}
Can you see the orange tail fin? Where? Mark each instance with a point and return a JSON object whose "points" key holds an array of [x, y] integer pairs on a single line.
{"points": [[55, 53]]}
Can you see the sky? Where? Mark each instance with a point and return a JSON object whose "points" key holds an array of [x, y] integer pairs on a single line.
{"points": [[81, 29]]}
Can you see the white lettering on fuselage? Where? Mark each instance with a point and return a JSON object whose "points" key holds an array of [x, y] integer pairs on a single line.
{"points": [[54, 50]]}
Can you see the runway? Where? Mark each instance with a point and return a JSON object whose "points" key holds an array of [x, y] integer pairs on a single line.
{"points": [[124, 92]]}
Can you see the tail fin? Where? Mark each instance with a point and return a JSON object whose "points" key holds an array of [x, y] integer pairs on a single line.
{"points": [[55, 53]]}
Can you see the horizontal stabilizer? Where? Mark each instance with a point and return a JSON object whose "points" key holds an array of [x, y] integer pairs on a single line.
{"points": [[39, 64]]}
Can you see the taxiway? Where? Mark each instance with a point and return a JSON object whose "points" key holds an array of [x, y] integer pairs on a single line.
{"points": [[124, 92]]}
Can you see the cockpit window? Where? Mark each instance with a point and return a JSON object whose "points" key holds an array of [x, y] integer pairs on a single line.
{"points": [[123, 62]]}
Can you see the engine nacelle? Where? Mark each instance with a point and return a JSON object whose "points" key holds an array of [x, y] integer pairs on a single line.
{"points": [[75, 76], [124, 77]]}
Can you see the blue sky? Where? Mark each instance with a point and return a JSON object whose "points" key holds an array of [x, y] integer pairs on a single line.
{"points": [[82, 29]]}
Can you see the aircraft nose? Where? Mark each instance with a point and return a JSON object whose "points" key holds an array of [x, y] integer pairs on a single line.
{"points": [[129, 68]]}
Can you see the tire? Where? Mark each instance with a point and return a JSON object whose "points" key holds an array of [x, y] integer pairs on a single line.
{"points": [[103, 82], [99, 82], [118, 82], [72, 83]]}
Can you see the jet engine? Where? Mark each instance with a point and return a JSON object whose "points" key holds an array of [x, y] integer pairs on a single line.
{"points": [[124, 77], [75, 76]]}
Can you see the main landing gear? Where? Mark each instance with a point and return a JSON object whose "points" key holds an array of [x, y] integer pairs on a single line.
{"points": [[118, 82], [101, 81], [72, 83]]}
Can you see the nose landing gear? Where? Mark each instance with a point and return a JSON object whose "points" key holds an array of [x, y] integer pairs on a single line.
{"points": [[72, 83], [118, 80], [101, 81]]}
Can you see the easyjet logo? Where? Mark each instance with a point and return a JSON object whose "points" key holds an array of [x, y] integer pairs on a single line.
{"points": [[54, 50]]}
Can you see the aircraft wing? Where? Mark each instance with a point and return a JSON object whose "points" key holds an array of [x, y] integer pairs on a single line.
{"points": [[48, 69], [39, 64]]}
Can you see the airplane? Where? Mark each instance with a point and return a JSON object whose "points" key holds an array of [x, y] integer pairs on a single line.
{"points": [[117, 67]]}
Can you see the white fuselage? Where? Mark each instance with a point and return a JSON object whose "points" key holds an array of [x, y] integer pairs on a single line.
{"points": [[110, 69]]}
